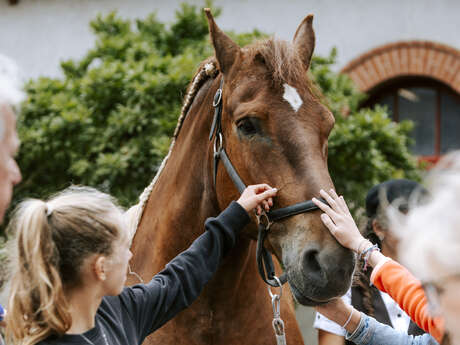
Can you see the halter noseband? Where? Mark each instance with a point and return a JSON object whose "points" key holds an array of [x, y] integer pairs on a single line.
{"points": [[263, 257]]}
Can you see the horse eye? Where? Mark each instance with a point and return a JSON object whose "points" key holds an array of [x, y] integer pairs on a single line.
{"points": [[247, 126]]}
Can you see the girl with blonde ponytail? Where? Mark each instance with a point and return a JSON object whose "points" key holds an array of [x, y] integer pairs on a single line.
{"points": [[70, 264], [52, 240]]}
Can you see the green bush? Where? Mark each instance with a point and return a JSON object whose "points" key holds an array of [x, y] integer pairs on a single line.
{"points": [[107, 122]]}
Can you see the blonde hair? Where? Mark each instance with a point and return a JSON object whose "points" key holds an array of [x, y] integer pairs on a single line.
{"points": [[52, 239], [430, 235]]}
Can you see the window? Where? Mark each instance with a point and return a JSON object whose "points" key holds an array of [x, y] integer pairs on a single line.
{"points": [[433, 107]]}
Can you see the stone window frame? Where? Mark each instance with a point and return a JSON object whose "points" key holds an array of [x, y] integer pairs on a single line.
{"points": [[403, 59]]}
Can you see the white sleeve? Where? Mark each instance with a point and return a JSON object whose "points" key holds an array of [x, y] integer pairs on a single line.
{"points": [[323, 323]]}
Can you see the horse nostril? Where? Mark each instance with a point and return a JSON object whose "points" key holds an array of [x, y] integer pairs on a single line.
{"points": [[310, 260]]}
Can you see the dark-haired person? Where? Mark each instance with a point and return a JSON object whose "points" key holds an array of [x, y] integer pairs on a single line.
{"points": [[363, 295]]}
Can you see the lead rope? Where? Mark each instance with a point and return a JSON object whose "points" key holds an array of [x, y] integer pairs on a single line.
{"points": [[277, 323]]}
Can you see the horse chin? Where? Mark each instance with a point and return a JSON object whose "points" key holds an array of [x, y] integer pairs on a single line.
{"points": [[309, 295], [302, 299]]}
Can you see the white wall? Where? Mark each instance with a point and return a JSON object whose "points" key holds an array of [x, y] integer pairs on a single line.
{"points": [[40, 33]]}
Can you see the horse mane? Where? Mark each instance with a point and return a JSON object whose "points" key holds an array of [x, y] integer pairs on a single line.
{"points": [[284, 65], [207, 69]]}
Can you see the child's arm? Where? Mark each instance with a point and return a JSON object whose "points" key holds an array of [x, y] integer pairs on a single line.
{"points": [[180, 283]]}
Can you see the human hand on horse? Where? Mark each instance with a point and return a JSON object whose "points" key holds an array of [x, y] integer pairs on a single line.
{"points": [[338, 220], [256, 197]]}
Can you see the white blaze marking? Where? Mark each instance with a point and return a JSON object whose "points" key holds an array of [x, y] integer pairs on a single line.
{"points": [[292, 96]]}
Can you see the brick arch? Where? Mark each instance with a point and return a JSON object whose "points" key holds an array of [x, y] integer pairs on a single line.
{"points": [[400, 59]]}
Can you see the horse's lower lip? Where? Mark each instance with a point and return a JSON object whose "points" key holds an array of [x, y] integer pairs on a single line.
{"points": [[302, 299]]}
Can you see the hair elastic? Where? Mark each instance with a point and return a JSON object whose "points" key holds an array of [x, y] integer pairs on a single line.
{"points": [[49, 210]]}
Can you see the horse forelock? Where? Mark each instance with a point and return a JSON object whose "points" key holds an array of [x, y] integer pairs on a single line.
{"points": [[280, 58], [283, 62]]}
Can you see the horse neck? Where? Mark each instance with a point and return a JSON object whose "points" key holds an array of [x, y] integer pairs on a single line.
{"points": [[182, 197]]}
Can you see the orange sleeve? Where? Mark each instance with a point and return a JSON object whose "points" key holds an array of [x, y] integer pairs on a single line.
{"points": [[407, 291]]}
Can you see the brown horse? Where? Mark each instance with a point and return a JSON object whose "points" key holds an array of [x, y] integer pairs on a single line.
{"points": [[275, 131]]}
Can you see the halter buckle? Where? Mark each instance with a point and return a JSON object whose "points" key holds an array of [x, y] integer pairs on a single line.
{"points": [[218, 143], [217, 98], [264, 220]]}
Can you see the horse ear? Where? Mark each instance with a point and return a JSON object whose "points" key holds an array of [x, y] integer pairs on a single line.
{"points": [[304, 40], [226, 50]]}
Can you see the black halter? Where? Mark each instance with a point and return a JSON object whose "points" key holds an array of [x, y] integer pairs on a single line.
{"points": [[263, 257]]}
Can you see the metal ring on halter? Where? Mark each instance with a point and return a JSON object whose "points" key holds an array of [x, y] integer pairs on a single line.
{"points": [[280, 287], [217, 98], [268, 223], [219, 140]]}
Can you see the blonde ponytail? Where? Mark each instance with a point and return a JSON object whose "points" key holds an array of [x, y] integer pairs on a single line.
{"points": [[51, 241]]}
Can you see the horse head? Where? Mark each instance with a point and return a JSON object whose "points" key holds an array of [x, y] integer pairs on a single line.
{"points": [[275, 130]]}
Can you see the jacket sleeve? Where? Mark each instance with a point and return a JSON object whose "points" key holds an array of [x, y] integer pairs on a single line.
{"points": [[182, 280], [372, 332], [407, 291]]}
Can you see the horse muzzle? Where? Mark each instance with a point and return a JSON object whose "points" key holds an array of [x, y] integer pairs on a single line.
{"points": [[320, 274]]}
